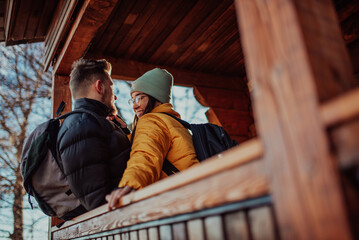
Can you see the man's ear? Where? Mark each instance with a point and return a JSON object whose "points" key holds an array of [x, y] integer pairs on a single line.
{"points": [[99, 87]]}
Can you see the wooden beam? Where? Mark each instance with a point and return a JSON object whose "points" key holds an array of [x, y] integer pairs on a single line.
{"points": [[326, 49], [123, 69], [10, 11], [58, 27], [341, 109], [92, 15], [291, 46], [60, 92]]}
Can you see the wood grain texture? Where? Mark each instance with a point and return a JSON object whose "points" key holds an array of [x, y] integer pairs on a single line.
{"points": [[232, 158], [325, 48], [61, 92], [304, 182], [261, 223], [157, 32], [57, 29], [235, 122], [236, 226], [214, 228], [195, 230], [247, 181], [90, 18], [182, 33], [178, 40], [231, 107], [115, 27]]}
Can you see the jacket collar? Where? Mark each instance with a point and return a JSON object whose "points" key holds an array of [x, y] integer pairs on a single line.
{"points": [[166, 108], [92, 105]]}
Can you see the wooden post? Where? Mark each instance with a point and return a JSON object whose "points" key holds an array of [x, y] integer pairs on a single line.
{"points": [[60, 92], [294, 49]]}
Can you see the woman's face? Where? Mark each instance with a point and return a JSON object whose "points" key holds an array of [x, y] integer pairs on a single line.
{"points": [[139, 101]]}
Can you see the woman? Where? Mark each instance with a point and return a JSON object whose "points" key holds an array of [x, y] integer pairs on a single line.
{"points": [[156, 136]]}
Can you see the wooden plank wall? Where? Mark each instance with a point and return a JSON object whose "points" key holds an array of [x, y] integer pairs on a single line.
{"points": [[230, 108]]}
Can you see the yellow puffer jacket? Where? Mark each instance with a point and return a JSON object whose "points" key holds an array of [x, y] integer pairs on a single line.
{"points": [[157, 137]]}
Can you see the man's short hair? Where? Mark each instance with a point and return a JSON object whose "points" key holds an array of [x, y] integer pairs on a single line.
{"points": [[85, 72]]}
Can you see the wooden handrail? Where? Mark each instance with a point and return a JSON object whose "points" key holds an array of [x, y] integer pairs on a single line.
{"points": [[234, 185], [240, 155], [341, 108]]}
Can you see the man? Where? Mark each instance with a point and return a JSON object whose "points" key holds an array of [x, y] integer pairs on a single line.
{"points": [[93, 154]]}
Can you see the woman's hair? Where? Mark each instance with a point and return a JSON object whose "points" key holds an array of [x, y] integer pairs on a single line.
{"points": [[150, 106]]}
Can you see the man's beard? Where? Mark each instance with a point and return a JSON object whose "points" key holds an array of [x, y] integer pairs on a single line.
{"points": [[111, 106], [113, 109]]}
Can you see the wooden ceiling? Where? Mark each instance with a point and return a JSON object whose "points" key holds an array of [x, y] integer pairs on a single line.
{"points": [[24, 21], [199, 36]]}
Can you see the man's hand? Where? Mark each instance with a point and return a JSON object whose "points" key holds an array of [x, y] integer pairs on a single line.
{"points": [[115, 196]]}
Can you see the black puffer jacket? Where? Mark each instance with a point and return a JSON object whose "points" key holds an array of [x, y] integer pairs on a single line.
{"points": [[93, 158]]}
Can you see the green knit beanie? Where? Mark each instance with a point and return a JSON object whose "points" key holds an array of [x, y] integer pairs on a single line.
{"points": [[156, 83]]}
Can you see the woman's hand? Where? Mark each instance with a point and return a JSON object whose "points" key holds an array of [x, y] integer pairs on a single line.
{"points": [[117, 119], [114, 197]]}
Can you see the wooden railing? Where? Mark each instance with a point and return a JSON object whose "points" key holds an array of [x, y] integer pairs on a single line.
{"points": [[225, 197]]}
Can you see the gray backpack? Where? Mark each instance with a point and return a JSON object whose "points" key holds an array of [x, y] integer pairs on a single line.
{"points": [[43, 176]]}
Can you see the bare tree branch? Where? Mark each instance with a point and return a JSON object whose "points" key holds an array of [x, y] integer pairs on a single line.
{"points": [[23, 86]]}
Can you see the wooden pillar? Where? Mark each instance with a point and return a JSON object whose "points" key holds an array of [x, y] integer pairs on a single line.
{"points": [[60, 92], [295, 56]]}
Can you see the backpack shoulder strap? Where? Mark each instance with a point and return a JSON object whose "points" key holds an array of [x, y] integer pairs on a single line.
{"points": [[168, 167], [183, 122], [100, 121]]}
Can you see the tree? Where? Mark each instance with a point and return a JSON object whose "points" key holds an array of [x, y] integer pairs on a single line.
{"points": [[24, 89]]}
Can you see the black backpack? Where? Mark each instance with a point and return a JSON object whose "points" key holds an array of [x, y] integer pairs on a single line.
{"points": [[208, 140], [43, 176]]}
